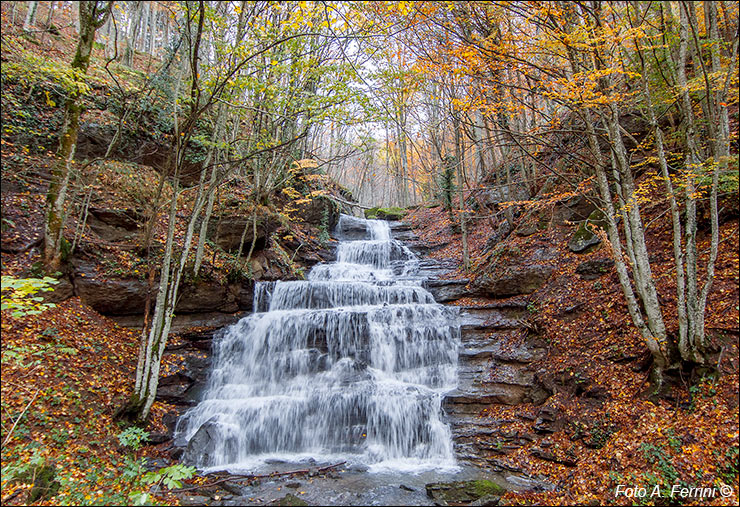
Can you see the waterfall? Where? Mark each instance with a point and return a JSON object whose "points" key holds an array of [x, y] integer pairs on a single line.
{"points": [[349, 365]]}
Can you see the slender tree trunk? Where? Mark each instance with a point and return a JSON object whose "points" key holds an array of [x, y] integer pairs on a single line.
{"points": [[91, 20], [30, 16]]}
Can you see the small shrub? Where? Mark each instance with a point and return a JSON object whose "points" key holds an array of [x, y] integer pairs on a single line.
{"points": [[133, 437]]}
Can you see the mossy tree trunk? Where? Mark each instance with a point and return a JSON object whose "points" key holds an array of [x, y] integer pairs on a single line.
{"points": [[92, 16]]}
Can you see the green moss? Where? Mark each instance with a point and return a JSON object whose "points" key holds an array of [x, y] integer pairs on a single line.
{"points": [[392, 213], [372, 213], [463, 491], [485, 487]]}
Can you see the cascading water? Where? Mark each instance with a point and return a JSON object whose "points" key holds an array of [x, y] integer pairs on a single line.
{"points": [[349, 365]]}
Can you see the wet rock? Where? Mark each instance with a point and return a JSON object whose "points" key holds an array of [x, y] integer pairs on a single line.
{"points": [[155, 464], [202, 445], [406, 488], [518, 279], [156, 438], [289, 499], [448, 290], [529, 483], [594, 268], [471, 402], [351, 228], [232, 488], [401, 231], [358, 467], [448, 493]]}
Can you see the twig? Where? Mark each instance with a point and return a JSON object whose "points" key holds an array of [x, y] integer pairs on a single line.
{"points": [[331, 466], [19, 417]]}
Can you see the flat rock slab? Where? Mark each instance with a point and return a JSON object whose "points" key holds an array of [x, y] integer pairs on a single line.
{"points": [[463, 492], [493, 316]]}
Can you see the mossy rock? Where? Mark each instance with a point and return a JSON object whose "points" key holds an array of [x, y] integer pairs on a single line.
{"points": [[463, 491], [584, 240], [392, 213], [372, 213]]}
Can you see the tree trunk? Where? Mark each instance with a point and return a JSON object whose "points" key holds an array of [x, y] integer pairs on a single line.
{"points": [[30, 16], [133, 28], [90, 20]]}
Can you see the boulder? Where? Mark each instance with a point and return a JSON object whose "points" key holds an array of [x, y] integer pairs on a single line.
{"points": [[500, 234], [62, 292], [575, 209], [455, 493], [585, 240], [594, 268], [202, 444], [522, 279], [109, 296]]}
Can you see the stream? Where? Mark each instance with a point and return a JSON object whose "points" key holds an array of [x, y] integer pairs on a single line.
{"points": [[348, 366]]}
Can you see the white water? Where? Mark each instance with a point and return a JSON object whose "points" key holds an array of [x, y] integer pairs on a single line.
{"points": [[349, 365]]}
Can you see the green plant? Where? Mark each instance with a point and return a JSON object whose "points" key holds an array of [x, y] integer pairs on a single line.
{"points": [[171, 477], [18, 295], [601, 432], [657, 455], [133, 437], [532, 307], [673, 441], [728, 469]]}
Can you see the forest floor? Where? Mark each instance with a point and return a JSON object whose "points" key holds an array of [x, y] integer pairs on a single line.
{"points": [[687, 438]]}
